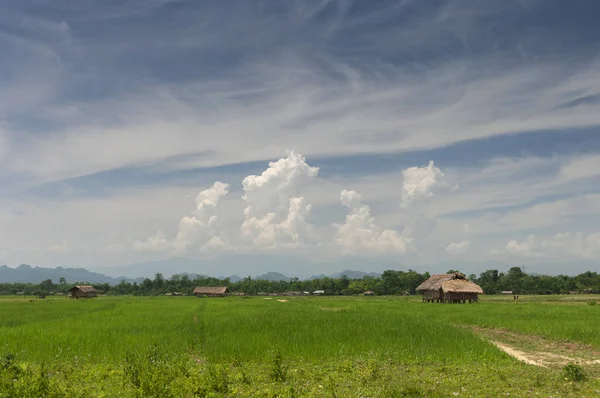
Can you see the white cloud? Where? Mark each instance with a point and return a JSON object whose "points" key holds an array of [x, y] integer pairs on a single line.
{"points": [[201, 229], [581, 167], [458, 247], [562, 245], [156, 243], [275, 216], [421, 182], [295, 207], [360, 233]]}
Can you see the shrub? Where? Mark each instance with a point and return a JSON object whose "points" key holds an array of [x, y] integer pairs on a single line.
{"points": [[152, 373], [218, 378], [574, 372], [278, 371]]}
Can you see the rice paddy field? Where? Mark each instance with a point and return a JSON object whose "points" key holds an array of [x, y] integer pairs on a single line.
{"points": [[302, 347]]}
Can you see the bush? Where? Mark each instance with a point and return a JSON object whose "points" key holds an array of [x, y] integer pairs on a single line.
{"points": [[152, 373], [278, 371], [218, 378], [574, 372], [24, 381]]}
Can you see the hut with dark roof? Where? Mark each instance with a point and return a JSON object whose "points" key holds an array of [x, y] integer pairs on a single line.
{"points": [[208, 291], [77, 292], [449, 288]]}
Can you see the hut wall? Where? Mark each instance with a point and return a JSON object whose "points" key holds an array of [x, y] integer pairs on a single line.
{"points": [[79, 294], [431, 294], [209, 295], [460, 296]]}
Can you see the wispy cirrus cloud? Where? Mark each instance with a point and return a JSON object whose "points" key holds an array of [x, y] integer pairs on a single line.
{"points": [[352, 97]]}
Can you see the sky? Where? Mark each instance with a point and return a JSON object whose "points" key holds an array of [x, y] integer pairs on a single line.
{"points": [[307, 136]]}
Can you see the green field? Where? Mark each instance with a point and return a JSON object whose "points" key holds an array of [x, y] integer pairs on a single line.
{"points": [[329, 347]]}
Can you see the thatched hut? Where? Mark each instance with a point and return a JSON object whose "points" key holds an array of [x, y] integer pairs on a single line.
{"points": [[77, 292], [449, 288], [208, 291]]}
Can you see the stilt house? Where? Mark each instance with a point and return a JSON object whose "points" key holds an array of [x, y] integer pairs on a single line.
{"points": [[449, 288]]}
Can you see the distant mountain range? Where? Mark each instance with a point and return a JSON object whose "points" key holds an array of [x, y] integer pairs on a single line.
{"points": [[27, 274], [224, 265]]}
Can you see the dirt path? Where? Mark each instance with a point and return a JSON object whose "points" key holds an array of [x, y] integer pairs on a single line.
{"points": [[520, 355], [539, 351]]}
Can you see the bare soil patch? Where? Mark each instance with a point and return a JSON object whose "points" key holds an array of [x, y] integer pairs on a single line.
{"points": [[540, 351]]}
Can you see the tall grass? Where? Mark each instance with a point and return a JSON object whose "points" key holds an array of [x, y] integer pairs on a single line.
{"points": [[182, 346], [105, 329], [577, 322]]}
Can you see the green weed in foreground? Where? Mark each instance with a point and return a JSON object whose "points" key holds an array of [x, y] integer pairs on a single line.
{"points": [[155, 374]]}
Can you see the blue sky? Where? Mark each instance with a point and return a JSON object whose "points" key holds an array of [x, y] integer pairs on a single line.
{"points": [[117, 120]]}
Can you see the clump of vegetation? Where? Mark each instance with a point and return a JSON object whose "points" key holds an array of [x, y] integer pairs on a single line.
{"points": [[17, 381], [278, 370], [592, 302], [218, 378], [574, 372], [370, 370], [154, 373]]}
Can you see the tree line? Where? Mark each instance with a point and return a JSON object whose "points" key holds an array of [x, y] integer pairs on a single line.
{"points": [[391, 282]]}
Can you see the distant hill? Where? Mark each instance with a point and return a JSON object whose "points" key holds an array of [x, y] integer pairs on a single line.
{"points": [[349, 273], [273, 276], [27, 274], [235, 278], [168, 267]]}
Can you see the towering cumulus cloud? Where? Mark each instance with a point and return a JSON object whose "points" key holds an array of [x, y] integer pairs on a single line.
{"points": [[360, 233], [200, 229], [421, 182], [276, 214]]}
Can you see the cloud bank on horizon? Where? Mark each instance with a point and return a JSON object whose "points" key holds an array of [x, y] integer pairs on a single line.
{"points": [[425, 133]]}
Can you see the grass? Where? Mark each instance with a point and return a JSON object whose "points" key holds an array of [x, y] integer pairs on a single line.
{"points": [[345, 346], [556, 320]]}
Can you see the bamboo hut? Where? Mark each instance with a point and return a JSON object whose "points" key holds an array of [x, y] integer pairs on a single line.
{"points": [[206, 291], [77, 292], [449, 288]]}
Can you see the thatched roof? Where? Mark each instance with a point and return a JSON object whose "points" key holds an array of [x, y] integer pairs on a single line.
{"points": [[450, 283], [85, 289], [211, 290]]}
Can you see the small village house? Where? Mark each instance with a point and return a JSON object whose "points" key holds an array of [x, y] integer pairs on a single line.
{"points": [[77, 292], [449, 288], [208, 291]]}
